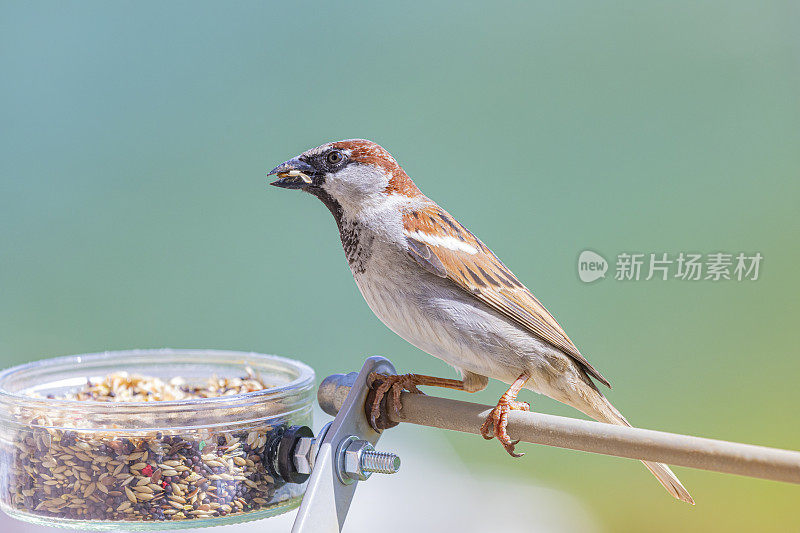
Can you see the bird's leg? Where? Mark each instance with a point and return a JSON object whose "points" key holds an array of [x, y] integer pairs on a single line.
{"points": [[409, 382], [498, 418]]}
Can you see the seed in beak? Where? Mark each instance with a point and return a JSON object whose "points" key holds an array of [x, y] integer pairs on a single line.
{"points": [[293, 173]]}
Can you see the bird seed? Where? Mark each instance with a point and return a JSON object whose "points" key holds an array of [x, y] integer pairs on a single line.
{"points": [[100, 475]]}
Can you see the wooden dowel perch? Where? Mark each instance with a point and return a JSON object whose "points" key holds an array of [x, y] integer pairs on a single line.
{"points": [[588, 436]]}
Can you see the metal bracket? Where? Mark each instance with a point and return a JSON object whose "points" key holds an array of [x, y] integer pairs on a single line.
{"points": [[327, 499]]}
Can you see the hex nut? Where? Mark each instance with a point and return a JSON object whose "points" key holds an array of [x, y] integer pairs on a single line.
{"points": [[304, 454], [352, 459]]}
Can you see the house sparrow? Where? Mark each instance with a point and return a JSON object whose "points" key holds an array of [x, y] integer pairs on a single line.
{"points": [[431, 281]]}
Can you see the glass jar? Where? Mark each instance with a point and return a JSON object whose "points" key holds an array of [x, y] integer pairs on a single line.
{"points": [[89, 464]]}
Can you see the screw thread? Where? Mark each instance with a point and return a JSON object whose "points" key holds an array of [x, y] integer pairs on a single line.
{"points": [[379, 462]]}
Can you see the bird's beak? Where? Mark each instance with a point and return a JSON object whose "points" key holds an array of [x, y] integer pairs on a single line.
{"points": [[293, 174]]}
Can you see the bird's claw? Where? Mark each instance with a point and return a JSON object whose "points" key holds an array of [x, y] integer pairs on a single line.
{"points": [[386, 383], [496, 423]]}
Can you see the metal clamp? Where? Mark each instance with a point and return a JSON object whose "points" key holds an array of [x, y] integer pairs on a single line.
{"points": [[345, 455]]}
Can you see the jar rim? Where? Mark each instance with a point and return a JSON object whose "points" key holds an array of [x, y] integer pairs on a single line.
{"points": [[303, 382]]}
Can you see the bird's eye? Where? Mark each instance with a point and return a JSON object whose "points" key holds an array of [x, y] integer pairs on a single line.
{"points": [[334, 158]]}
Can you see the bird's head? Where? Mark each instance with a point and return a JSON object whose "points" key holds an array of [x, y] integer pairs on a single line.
{"points": [[350, 174]]}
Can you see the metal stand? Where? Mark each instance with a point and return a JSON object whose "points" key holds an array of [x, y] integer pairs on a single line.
{"points": [[345, 455]]}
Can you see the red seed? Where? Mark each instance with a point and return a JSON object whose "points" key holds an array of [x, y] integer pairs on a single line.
{"points": [[147, 470]]}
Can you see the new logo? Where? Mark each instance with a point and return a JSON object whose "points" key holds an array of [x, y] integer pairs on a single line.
{"points": [[591, 266]]}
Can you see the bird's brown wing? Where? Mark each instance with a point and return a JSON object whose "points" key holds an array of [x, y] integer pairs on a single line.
{"points": [[446, 248]]}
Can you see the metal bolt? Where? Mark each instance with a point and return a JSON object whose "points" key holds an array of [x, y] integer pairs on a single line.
{"points": [[380, 462], [357, 460]]}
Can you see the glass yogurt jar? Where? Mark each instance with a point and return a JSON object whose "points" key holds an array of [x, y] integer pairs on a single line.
{"points": [[149, 439]]}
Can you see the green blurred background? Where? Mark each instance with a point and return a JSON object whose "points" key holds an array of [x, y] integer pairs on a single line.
{"points": [[134, 212]]}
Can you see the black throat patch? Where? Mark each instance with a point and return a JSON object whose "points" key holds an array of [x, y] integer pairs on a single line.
{"points": [[351, 233]]}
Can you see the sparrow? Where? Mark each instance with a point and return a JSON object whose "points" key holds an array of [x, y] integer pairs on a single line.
{"points": [[435, 284]]}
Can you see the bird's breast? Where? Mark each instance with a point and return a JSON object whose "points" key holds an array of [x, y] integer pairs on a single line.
{"points": [[439, 318], [429, 314], [397, 303], [357, 243]]}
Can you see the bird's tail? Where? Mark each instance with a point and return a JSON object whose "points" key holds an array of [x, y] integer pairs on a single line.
{"points": [[593, 403]]}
